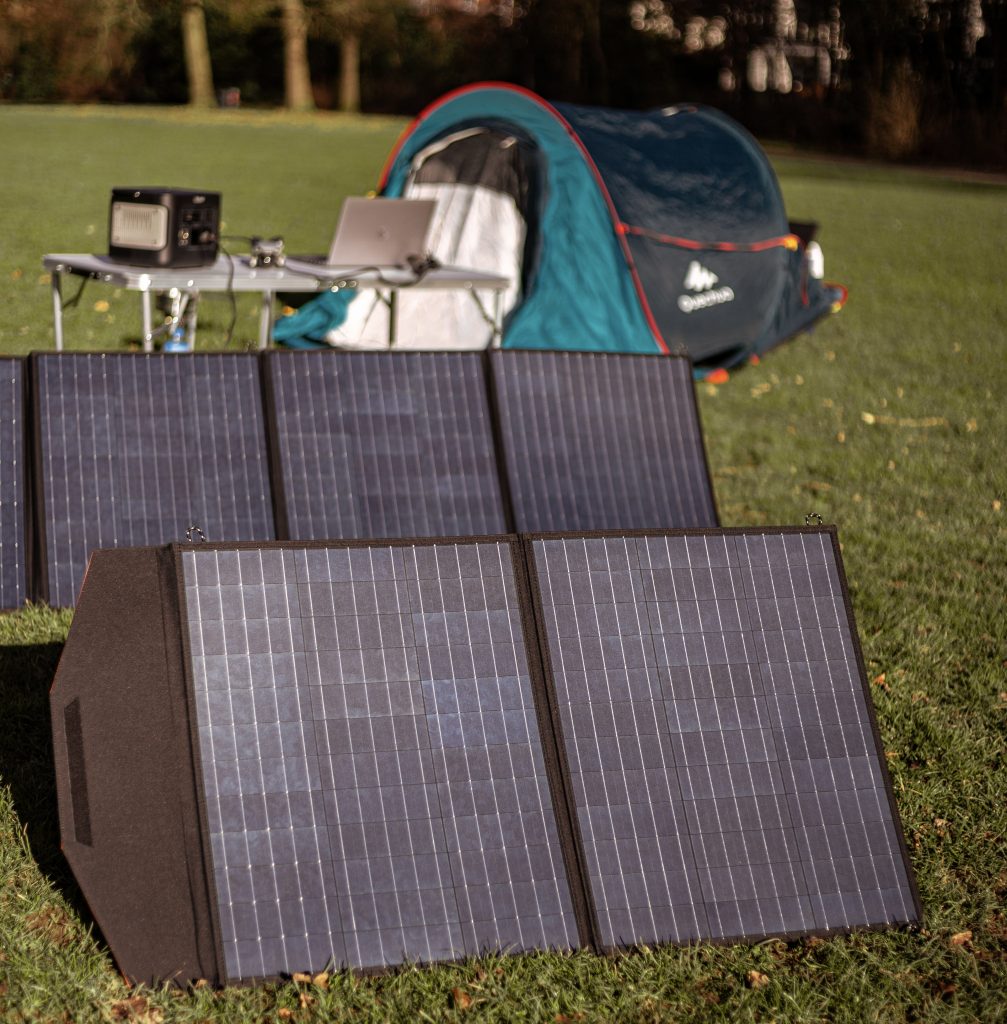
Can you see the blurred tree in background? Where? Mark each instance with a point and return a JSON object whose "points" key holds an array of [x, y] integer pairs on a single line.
{"points": [[198, 66], [73, 50], [900, 79], [297, 93]]}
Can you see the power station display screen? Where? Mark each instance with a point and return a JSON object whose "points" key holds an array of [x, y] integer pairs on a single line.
{"points": [[139, 226]]}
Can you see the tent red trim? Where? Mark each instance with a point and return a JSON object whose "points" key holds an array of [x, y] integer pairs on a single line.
{"points": [[783, 241]]}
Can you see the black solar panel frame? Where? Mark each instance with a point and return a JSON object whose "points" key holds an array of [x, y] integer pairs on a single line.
{"points": [[26, 523], [504, 462], [271, 359], [499, 449], [199, 851], [39, 583], [830, 531], [274, 457]]}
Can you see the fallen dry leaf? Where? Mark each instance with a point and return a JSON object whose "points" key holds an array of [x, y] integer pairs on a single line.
{"points": [[756, 979], [305, 1000], [960, 938], [321, 979], [462, 999], [300, 979], [136, 1009], [284, 1014], [53, 923]]}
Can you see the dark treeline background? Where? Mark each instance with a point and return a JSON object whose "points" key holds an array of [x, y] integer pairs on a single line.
{"points": [[898, 79]]}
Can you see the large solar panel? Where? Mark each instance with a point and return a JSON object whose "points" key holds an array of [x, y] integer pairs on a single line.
{"points": [[13, 576], [375, 782], [725, 766], [601, 441], [134, 449], [385, 445]]}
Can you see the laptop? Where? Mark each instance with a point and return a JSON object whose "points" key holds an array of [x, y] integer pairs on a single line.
{"points": [[380, 232]]}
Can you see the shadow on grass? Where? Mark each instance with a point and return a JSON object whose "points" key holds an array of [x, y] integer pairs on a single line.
{"points": [[26, 760]]}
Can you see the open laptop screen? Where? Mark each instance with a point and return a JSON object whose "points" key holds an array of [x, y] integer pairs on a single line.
{"points": [[380, 232]]}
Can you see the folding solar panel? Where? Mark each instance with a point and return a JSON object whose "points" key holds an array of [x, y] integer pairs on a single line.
{"points": [[725, 766], [384, 445], [13, 548], [597, 441], [273, 758], [135, 449], [326, 754]]}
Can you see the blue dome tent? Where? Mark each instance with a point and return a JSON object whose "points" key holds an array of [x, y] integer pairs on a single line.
{"points": [[624, 231]]}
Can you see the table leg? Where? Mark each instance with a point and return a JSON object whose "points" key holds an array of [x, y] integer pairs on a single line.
{"points": [[266, 319], [56, 279], [147, 320], [497, 318], [393, 317], [191, 316]]}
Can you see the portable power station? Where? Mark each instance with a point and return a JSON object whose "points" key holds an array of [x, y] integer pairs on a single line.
{"points": [[163, 227]]}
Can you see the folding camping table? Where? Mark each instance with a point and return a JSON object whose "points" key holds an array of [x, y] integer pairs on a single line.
{"points": [[235, 274]]}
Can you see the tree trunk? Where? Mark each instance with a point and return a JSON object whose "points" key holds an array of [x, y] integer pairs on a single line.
{"points": [[349, 72], [197, 54], [296, 73]]}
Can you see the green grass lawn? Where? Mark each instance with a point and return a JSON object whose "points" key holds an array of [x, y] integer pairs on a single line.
{"points": [[889, 420]]}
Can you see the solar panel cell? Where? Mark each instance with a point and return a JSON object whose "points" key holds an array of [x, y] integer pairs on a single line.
{"points": [[13, 574], [601, 441], [134, 449], [375, 781], [385, 445], [725, 771]]}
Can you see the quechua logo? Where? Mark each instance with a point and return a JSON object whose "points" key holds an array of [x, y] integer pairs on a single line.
{"points": [[703, 282]]}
